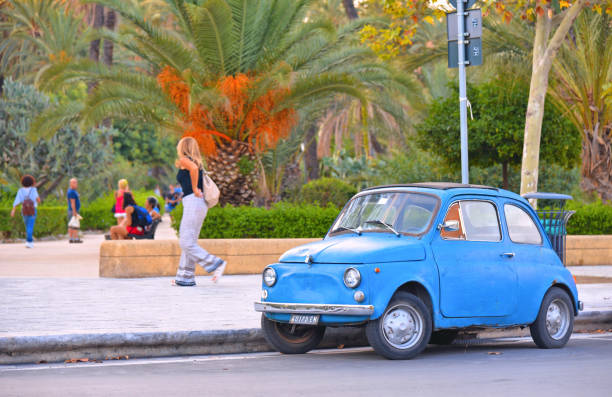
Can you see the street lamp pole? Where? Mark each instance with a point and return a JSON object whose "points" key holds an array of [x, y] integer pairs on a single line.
{"points": [[465, 171]]}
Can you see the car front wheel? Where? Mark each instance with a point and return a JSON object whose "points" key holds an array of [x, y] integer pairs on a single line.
{"points": [[291, 338], [555, 322], [403, 330]]}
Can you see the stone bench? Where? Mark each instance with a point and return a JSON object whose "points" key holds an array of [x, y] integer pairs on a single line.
{"points": [[156, 258]]}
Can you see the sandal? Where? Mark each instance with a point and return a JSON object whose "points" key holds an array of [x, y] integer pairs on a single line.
{"points": [[176, 283], [219, 272]]}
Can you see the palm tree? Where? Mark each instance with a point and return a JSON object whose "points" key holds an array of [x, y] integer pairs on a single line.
{"points": [[580, 74], [39, 33], [232, 73]]}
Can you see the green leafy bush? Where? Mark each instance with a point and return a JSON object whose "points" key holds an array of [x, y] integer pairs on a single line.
{"points": [[327, 190], [281, 221], [594, 218], [51, 221], [97, 214]]}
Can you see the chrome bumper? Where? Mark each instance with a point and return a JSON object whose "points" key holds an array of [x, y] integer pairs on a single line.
{"points": [[314, 308]]}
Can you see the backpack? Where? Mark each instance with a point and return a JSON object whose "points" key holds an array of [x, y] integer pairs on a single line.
{"points": [[28, 208], [141, 216]]}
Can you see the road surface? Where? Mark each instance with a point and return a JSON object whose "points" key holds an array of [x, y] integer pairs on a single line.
{"points": [[510, 367]]}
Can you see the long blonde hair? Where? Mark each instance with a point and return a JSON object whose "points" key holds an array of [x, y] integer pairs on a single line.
{"points": [[188, 147]]}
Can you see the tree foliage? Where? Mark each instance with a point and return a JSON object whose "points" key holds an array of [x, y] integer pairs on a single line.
{"points": [[406, 17], [496, 133], [69, 153], [579, 79]]}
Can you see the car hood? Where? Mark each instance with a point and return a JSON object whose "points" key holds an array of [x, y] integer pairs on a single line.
{"points": [[367, 248]]}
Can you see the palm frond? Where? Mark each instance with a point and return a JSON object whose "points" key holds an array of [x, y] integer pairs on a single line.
{"points": [[212, 30]]}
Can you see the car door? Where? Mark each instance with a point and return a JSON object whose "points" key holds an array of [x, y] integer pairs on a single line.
{"points": [[477, 275], [531, 256]]}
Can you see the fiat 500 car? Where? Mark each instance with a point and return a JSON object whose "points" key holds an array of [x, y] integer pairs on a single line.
{"points": [[415, 264]]}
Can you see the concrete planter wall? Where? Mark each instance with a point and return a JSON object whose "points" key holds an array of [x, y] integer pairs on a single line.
{"points": [[589, 250], [154, 258]]}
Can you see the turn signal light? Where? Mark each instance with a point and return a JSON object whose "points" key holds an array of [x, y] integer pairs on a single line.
{"points": [[377, 270]]}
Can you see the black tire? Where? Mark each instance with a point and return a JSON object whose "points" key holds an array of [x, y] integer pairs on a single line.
{"points": [[291, 338], [443, 337], [555, 322], [404, 306]]}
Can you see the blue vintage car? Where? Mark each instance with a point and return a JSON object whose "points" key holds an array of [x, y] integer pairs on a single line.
{"points": [[416, 263]]}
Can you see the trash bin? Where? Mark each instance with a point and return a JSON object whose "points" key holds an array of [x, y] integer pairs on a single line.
{"points": [[554, 217]]}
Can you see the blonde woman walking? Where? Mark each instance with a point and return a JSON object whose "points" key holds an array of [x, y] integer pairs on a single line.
{"points": [[190, 175]]}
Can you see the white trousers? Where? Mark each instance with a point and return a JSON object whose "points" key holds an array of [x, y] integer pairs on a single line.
{"points": [[194, 212]]}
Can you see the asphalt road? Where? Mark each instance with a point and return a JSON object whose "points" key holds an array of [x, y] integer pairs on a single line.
{"points": [[512, 367]]}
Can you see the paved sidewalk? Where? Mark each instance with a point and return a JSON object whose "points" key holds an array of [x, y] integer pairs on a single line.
{"points": [[31, 306], [59, 258]]}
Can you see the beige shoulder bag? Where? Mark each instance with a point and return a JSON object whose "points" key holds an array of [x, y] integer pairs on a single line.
{"points": [[210, 190]]}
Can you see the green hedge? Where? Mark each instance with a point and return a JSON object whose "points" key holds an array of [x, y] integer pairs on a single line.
{"points": [[294, 221], [53, 220], [595, 218], [97, 215], [323, 191], [281, 221], [50, 221]]}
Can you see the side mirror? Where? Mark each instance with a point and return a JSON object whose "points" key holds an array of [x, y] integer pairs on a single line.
{"points": [[449, 226]]}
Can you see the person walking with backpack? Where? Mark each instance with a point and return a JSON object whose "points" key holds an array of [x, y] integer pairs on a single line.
{"points": [[28, 197], [190, 176], [136, 219]]}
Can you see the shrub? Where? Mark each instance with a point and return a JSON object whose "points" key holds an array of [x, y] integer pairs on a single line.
{"points": [[97, 214], [51, 221], [327, 190], [594, 218], [281, 221]]}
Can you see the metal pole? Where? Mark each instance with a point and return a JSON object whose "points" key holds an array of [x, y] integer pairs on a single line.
{"points": [[465, 171]]}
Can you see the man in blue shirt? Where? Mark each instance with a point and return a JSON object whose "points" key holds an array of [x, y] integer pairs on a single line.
{"points": [[74, 206]]}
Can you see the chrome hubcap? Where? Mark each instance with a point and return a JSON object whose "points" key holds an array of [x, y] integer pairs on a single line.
{"points": [[402, 327], [557, 319]]}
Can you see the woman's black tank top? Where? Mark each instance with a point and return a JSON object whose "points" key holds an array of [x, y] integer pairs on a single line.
{"points": [[184, 179]]}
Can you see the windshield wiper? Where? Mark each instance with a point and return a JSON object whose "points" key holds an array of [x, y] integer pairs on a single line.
{"points": [[379, 222], [347, 228]]}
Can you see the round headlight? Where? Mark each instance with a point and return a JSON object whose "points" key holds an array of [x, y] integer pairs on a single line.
{"points": [[352, 277], [269, 276]]}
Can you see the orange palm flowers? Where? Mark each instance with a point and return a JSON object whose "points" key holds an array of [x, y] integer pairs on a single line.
{"points": [[256, 121]]}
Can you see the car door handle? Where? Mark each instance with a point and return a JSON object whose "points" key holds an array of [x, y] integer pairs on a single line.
{"points": [[508, 254]]}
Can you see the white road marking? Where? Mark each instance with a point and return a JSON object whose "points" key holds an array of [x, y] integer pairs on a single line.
{"points": [[230, 357]]}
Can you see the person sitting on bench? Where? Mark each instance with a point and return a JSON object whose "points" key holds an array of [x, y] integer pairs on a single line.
{"points": [[152, 207], [136, 220]]}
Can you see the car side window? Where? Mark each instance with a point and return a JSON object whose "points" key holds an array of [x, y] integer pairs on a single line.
{"points": [[453, 214], [521, 227], [480, 221]]}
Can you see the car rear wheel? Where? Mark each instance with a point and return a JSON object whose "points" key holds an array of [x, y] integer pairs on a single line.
{"points": [[403, 330], [555, 322], [443, 337], [291, 338]]}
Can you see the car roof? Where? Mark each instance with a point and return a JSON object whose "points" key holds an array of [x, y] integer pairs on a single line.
{"points": [[447, 189], [436, 185]]}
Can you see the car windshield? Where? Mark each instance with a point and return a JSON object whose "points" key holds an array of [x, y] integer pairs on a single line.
{"points": [[407, 213]]}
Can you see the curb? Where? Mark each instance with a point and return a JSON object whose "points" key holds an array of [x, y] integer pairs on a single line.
{"points": [[54, 348]]}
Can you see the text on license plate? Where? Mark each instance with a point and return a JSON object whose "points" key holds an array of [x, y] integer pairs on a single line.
{"points": [[306, 319]]}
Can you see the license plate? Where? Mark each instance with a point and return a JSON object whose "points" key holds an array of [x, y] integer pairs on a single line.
{"points": [[305, 319]]}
